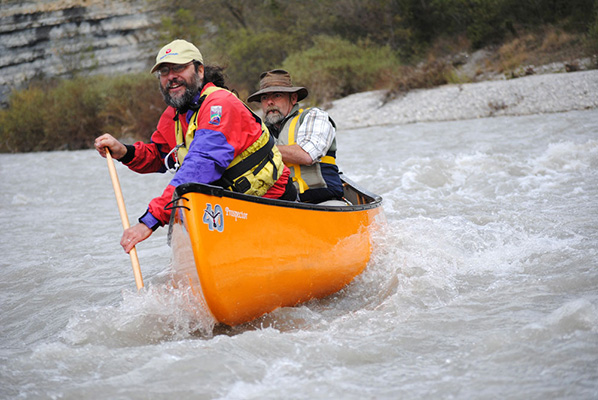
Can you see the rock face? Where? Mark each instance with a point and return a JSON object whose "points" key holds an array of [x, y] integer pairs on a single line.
{"points": [[61, 38]]}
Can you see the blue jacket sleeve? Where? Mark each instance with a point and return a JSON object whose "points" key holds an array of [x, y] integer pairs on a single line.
{"points": [[208, 157]]}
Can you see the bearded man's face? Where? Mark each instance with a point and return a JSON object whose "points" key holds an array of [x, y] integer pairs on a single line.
{"points": [[180, 89]]}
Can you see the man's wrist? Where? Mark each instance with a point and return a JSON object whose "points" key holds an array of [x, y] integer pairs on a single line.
{"points": [[129, 155]]}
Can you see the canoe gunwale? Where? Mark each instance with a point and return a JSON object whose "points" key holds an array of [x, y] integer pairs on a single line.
{"points": [[374, 200]]}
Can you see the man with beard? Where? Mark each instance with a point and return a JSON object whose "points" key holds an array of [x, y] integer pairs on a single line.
{"points": [[204, 130], [305, 137]]}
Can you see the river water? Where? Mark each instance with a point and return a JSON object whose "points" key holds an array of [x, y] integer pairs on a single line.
{"points": [[483, 283]]}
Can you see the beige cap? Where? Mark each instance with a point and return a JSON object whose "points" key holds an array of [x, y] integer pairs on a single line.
{"points": [[177, 52]]}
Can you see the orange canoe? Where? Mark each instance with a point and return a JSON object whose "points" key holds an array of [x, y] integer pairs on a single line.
{"points": [[245, 256]]}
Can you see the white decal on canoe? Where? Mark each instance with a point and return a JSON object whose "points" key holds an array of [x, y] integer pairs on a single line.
{"points": [[236, 214], [213, 217]]}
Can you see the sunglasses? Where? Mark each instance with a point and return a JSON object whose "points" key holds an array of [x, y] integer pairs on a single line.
{"points": [[175, 68]]}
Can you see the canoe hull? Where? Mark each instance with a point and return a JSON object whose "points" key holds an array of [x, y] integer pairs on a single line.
{"points": [[250, 257]]}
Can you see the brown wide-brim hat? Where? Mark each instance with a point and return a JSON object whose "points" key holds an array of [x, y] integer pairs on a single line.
{"points": [[277, 80]]}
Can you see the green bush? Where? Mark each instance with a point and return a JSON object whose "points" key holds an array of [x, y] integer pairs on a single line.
{"points": [[73, 121], [22, 124], [69, 114], [335, 67], [132, 107], [592, 37], [487, 24], [248, 54], [182, 25], [52, 116], [429, 74]]}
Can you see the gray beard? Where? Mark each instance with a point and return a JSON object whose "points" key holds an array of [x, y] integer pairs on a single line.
{"points": [[182, 102], [274, 118]]}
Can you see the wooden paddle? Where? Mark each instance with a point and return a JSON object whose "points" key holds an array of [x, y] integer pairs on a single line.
{"points": [[124, 218]]}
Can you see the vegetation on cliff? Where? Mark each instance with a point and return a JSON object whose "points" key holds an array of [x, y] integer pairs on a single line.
{"points": [[334, 47], [366, 44]]}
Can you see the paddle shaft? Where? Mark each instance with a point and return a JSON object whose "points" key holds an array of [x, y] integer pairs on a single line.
{"points": [[124, 218]]}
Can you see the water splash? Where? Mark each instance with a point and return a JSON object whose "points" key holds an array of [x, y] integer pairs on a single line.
{"points": [[155, 314]]}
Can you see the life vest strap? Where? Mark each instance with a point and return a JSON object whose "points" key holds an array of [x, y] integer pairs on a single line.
{"points": [[296, 168], [328, 160], [260, 158]]}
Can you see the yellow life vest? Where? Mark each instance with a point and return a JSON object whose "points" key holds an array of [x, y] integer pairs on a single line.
{"points": [[305, 176], [252, 172]]}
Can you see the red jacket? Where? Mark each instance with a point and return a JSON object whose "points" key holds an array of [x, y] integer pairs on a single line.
{"points": [[217, 142]]}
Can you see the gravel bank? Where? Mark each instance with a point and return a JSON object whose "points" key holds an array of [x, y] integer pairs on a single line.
{"points": [[535, 94]]}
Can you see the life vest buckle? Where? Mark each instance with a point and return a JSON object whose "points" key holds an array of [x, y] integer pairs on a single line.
{"points": [[242, 185]]}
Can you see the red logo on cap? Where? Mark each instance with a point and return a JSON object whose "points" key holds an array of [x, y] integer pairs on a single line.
{"points": [[168, 51]]}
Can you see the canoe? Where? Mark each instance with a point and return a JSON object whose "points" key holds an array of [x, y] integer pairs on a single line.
{"points": [[244, 256]]}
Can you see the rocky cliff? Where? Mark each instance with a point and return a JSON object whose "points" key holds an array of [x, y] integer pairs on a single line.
{"points": [[60, 38]]}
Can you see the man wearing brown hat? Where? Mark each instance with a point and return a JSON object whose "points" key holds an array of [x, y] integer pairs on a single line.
{"points": [[305, 137], [204, 130]]}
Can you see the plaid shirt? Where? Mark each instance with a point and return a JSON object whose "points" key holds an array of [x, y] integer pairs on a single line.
{"points": [[315, 134]]}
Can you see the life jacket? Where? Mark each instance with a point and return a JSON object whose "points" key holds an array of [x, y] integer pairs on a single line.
{"points": [[306, 176], [252, 172]]}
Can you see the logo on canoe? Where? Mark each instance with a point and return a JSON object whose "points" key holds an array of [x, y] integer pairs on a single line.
{"points": [[213, 217], [235, 214]]}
